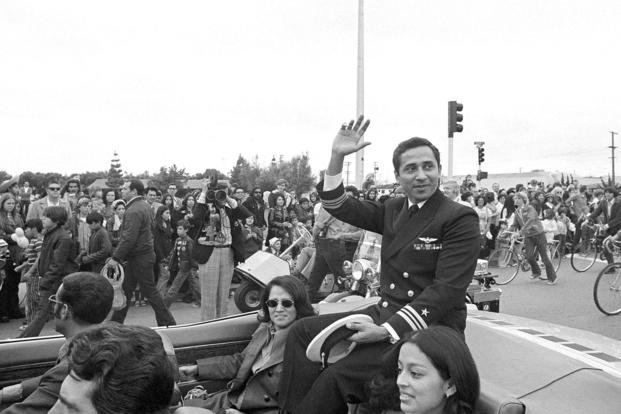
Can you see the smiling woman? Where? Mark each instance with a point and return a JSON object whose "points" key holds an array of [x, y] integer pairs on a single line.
{"points": [[430, 372], [254, 374]]}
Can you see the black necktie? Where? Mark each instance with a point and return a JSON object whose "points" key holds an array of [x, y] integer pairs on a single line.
{"points": [[413, 210]]}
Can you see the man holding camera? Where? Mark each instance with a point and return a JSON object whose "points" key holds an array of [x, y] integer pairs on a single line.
{"points": [[219, 247]]}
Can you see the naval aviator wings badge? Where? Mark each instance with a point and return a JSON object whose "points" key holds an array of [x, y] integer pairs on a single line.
{"points": [[427, 244]]}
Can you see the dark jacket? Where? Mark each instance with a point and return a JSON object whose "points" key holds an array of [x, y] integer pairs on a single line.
{"points": [[428, 258], [162, 236], [182, 255], [56, 259], [99, 249], [42, 392], [527, 221], [136, 231], [259, 389], [257, 208], [614, 221], [201, 214]]}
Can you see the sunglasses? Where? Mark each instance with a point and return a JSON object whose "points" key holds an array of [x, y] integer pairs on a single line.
{"points": [[54, 188], [53, 299], [286, 303]]}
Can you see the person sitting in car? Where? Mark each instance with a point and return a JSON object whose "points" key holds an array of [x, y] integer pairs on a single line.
{"points": [[254, 373]]}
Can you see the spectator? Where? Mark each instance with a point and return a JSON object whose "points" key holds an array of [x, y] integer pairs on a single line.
{"points": [[610, 209], [151, 198], [254, 374], [186, 212], [371, 194], [467, 199], [97, 202], [278, 221], [451, 380], [163, 243], [113, 225], [52, 199], [99, 245], [83, 300], [304, 211], [25, 193], [71, 193], [172, 191], [182, 263], [56, 260], [78, 226], [564, 225], [281, 188], [116, 369], [34, 233], [10, 220], [136, 249], [109, 198], [220, 246], [253, 237], [257, 207], [550, 226]]}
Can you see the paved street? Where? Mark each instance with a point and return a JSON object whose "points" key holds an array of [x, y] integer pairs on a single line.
{"points": [[568, 303]]}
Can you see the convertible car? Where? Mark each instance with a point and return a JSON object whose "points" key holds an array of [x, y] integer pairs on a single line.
{"points": [[526, 366]]}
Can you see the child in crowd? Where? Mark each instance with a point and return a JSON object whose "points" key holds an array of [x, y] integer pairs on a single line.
{"points": [[563, 223], [34, 233], [99, 245], [182, 262]]}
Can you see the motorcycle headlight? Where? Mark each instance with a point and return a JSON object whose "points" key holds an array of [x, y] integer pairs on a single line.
{"points": [[357, 271], [347, 267]]}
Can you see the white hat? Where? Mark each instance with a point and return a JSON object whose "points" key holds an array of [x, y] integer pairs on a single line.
{"points": [[273, 240], [331, 344]]}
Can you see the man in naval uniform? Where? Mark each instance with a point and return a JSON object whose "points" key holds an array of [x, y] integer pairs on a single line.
{"points": [[429, 252]]}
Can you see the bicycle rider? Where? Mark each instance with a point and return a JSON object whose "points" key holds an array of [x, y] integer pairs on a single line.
{"points": [[610, 208], [527, 221]]}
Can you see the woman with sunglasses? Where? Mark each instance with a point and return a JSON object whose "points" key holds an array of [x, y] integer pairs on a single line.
{"points": [[255, 372]]}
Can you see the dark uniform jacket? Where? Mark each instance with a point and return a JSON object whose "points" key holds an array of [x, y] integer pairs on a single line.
{"points": [[427, 260], [258, 390], [136, 233]]}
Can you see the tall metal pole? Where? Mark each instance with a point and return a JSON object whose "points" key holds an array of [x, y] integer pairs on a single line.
{"points": [[360, 91], [612, 149]]}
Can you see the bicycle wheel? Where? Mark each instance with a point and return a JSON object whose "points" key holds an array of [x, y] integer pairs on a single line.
{"points": [[504, 264], [555, 257], [584, 259], [607, 289]]}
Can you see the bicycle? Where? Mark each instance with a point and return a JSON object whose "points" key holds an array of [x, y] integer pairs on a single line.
{"points": [[607, 287], [583, 258], [506, 262]]}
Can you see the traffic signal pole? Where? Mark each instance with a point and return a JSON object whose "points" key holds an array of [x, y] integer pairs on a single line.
{"points": [[613, 148], [454, 117]]}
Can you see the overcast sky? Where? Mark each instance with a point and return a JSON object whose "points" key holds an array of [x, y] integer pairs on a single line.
{"points": [[196, 83]]}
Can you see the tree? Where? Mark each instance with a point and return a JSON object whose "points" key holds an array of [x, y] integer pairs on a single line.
{"points": [[300, 175], [170, 175], [115, 174], [243, 174], [89, 177]]}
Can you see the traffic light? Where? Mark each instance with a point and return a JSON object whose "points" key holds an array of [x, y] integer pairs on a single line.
{"points": [[454, 117], [481, 155]]}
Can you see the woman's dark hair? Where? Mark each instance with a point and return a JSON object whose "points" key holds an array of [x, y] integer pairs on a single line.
{"points": [[172, 200], [105, 196], [490, 197], [448, 353], [298, 294], [57, 214], [184, 202], [466, 195], [367, 196], [158, 220], [479, 197]]}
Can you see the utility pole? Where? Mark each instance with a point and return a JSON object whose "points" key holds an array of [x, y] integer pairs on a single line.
{"points": [[612, 150], [347, 164], [375, 170], [360, 92]]}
